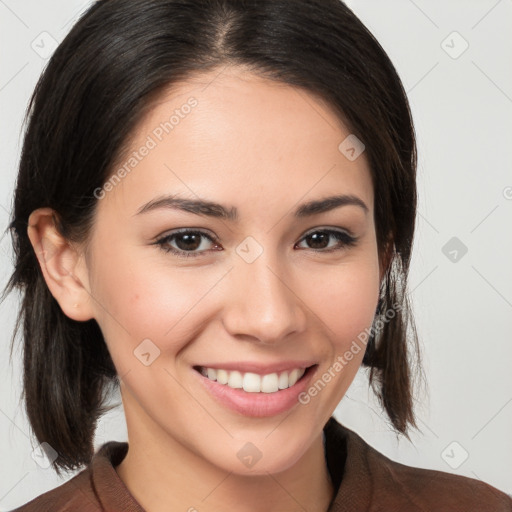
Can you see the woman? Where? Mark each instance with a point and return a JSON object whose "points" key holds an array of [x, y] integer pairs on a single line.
{"points": [[215, 211]]}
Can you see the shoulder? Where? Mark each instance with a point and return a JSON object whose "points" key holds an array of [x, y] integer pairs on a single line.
{"points": [[92, 490], [390, 485], [436, 490], [74, 495]]}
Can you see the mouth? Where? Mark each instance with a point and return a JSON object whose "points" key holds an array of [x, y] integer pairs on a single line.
{"points": [[256, 395]]}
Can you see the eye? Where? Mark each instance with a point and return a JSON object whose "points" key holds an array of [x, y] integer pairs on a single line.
{"points": [[191, 243], [187, 243], [320, 239]]}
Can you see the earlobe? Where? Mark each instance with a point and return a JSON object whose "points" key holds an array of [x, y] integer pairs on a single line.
{"points": [[62, 265]]}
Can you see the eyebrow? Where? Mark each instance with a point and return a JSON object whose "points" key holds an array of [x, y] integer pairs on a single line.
{"points": [[212, 209]]}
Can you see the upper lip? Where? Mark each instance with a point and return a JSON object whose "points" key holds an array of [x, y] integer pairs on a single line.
{"points": [[260, 368]]}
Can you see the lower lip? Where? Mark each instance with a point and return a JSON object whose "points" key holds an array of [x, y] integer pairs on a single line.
{"points": [[261, 404]]}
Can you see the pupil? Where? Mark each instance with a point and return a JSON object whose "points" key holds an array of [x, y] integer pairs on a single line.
{"points": [[318, 240], [189, 242]]}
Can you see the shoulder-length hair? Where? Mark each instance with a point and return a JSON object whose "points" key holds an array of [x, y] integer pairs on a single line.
{"points": [[101, 80]]}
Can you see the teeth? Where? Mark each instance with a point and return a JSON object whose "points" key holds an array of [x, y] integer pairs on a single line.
{"points": [[252, 382], [222, 376], [236, 380]]}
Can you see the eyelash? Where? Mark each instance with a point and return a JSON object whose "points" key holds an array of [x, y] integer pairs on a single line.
{"points": [[163, 243]]}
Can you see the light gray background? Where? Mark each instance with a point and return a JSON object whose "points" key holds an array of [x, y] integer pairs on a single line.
{"points": [[462, 105]]}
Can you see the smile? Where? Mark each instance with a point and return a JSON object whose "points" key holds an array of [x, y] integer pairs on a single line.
{"points": [[255, 395]]}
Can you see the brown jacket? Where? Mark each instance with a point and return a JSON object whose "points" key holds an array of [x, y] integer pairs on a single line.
{"points": [[364, 479]]}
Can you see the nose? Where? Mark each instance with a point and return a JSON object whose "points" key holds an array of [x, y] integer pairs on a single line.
{"points": [[262, 304]]}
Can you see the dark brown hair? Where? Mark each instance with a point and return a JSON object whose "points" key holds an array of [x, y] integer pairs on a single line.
{"points": [[97, 86]]}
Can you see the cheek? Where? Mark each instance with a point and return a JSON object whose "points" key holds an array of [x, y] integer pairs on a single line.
{"points": [[345, 299], [351, 310], [138, 301]]}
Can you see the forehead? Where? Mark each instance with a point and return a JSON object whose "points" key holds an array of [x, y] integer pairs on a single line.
{"points": [[236, 137]]}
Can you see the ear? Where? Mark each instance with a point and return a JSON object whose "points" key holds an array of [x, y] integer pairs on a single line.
{"points": [[63, 265]]}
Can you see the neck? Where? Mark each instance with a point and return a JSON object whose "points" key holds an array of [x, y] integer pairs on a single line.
{"points": [[162, 474]]}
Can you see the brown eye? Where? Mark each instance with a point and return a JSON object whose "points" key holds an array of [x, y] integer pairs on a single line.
{"points": [[187, 243], [320, 239]]}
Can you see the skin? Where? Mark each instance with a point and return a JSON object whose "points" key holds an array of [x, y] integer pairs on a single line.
{"points": [[263, 148]]}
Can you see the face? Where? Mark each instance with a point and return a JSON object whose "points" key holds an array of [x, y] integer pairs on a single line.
{"points": [[262, 279]]}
